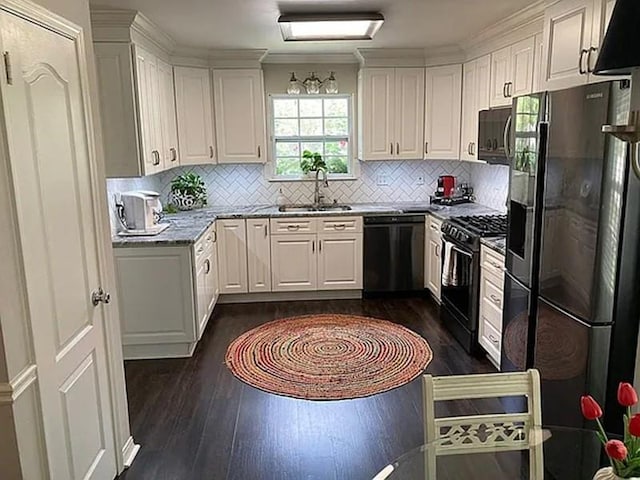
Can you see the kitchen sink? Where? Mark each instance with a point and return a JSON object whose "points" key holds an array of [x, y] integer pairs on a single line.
{"points": [[314, 208]]}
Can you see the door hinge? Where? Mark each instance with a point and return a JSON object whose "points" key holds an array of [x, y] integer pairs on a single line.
{"points": [[7, 68]]}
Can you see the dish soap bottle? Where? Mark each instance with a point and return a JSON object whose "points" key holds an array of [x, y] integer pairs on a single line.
{"points": [[281, 200]]}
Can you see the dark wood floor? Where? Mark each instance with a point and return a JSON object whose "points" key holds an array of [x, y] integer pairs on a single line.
{"points": [[195, 420]]}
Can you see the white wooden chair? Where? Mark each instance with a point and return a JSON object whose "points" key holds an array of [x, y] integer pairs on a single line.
{"points": [[488, 432]]}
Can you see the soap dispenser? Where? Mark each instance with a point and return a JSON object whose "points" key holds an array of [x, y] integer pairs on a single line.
{"points": [[281, 200]]}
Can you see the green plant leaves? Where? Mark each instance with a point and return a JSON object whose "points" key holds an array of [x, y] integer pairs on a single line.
{"points": [[190, 184], [312, 162]]}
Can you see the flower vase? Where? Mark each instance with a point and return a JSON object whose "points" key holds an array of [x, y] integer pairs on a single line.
{"points": [[183, 201], [607, 473]]}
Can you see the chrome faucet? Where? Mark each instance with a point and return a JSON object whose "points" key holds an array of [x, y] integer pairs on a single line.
{"points": [[317, 196]]}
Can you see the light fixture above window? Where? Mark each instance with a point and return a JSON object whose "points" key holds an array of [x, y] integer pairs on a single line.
{"points": [[321, 27]]}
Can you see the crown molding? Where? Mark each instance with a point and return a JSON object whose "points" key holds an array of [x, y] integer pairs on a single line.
{"points": [[390, 57], [217, 58], [444, 55], [518, 26], [310, 58]]}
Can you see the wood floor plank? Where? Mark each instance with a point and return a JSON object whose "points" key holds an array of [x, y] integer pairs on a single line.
{"points": [[195, 420]]}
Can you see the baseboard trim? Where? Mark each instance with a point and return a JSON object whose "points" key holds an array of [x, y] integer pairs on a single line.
{"points": [[158, 350], [129, 452], [290, 296]]}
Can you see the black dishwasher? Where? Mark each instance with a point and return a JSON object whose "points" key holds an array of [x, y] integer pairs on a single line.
{"points": [[393, 253]]}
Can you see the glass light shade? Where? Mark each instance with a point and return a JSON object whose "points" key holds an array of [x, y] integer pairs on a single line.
{"points": [[331, 84], [312, 84], [294, 86]]}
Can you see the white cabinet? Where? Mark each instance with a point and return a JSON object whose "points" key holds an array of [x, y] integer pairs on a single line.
{"points": [[475, 97], [538, 70], [442, 112], [232, 256], [258, 255], [573, 32], [166, 296], [328, 256], [433, 256], [240, 116], [168, 121], [339, 261], [138, 117], [491, 303], [512, 72], [391, 113], [194, 106]]}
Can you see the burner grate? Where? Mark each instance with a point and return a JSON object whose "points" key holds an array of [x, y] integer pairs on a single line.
{"points": [[484, 225]]}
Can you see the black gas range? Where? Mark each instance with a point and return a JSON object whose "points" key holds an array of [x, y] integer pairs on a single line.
{"points": [[460, 287]]}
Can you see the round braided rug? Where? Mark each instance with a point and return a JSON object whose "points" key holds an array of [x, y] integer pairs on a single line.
{"points": [[328, 357]]}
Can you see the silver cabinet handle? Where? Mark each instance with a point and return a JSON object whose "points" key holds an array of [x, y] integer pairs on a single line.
{"points": [[496, 265], [156, 157], [174, 154], [496, 300], [320, 246], [397, 148], [210, 151], [469, 148], [208, 264], [259, 154], [313, 246], [504, 90], [581, 70], [426, 147], [493, 339], [509, 92], [339, 226], [100, 296], [266, 233], [473, 148], [293, 228], [591, 51], [215, 236], [438, 251], [391, 148], [507, 131]]}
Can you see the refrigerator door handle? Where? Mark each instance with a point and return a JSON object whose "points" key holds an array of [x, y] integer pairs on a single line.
{"points": [[506, 135]]}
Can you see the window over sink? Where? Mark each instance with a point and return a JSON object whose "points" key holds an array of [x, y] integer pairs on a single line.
{"points": [[318, 123]]}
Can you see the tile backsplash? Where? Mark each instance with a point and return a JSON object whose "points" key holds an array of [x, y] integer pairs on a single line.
{"points": [[390, 181]]}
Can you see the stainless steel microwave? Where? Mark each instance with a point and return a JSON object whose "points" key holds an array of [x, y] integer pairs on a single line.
{"points": [[493, 133]]}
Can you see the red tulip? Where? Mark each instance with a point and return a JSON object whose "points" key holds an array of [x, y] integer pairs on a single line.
{"points": [[634, 425], [615, 449], [590, 408], [627, 396]]}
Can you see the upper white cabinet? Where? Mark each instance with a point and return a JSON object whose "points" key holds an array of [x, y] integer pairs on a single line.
{"points": [[194, 105], [391, 113], [512, 72], [573, 31], [232, 255], [442, 112], [138, 116], [475, 97], [240, 116]]}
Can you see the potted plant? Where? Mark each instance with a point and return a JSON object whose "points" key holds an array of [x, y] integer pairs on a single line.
{"points": [[312, 162], [624, 455], [188, 191]]}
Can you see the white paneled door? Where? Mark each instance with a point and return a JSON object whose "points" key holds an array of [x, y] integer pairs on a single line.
{"points": [[294, 265], [259, 255], [51, 165], [232, 255]]}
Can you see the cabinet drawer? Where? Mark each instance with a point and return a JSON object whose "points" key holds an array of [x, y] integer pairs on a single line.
{"points": [[491, 340], [492, 292], [492, 262], [293, 225], [491, 314], [206, 241], [434, 226], [340, 224]]}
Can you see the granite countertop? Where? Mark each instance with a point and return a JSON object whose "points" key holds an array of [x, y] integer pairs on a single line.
{"points": [[499, 244], [187, 227]]}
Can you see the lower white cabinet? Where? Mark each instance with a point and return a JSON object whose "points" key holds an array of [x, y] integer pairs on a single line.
{"points": [[491, 303], [166, 296], [293, 262], [432, 256], [329, 257], [232, 256], [258, 255]]}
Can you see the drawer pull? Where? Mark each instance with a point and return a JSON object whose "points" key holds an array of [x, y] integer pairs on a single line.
{"points": [[215, 236], [494, 340], [339, 226], [293, 228], [266, 231], [496, 300], [495, 265], [208, 265]]}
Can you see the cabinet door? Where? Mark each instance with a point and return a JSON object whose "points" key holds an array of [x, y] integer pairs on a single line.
{"points": [[293, 263], [376, 113], [148, 107], [232, 256], [259, 255], [202, 302], [483, 85], [340, 261], [167, 101], [442, 112], [567, 35], [194, 110], [469, 128], [538, 70], [522, 62], [409, 113], [435, 265], [500, 77], [239, 114]]}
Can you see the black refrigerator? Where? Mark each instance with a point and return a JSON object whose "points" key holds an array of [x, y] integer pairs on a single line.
{"points": [[572, 283]]}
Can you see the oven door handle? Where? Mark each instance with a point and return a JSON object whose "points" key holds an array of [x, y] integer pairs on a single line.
{"points": [[466, 254]]}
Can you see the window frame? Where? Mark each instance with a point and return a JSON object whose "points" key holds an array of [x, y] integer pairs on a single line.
{"points": [[273, 139]]}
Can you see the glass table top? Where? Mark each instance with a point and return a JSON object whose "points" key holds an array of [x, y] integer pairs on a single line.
{"points": [[539, 453]]}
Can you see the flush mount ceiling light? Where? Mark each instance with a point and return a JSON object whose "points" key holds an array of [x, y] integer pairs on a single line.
{"points": [[352, 26]]}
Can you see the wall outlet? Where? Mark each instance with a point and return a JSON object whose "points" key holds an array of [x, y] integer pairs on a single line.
{"points": [[420, 180], [381, 180]]}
